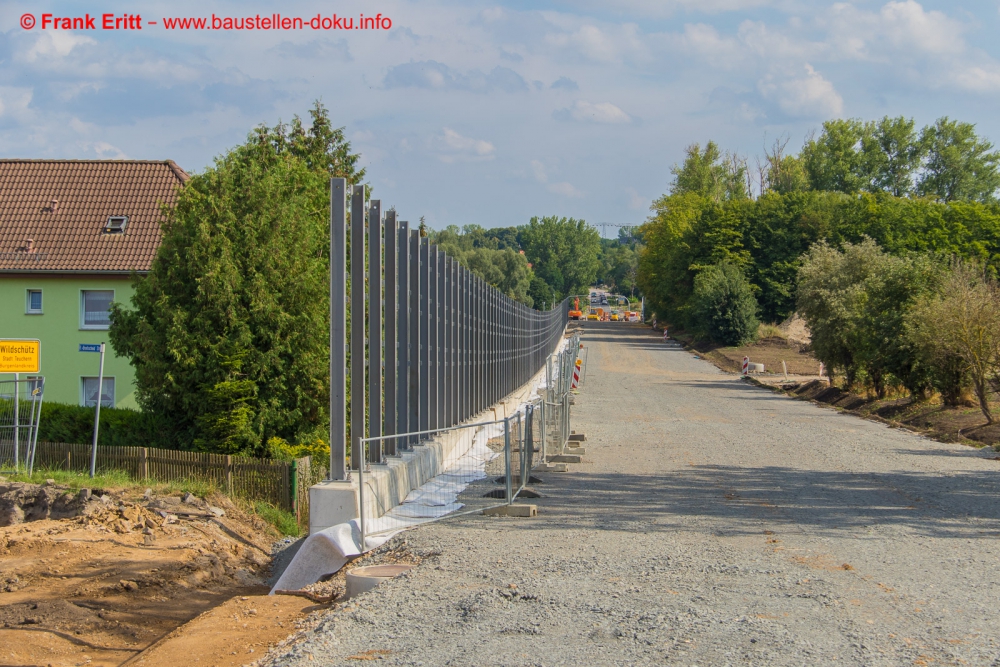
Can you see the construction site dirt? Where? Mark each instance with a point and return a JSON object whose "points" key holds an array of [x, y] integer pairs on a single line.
{"points": [[110, 578]]}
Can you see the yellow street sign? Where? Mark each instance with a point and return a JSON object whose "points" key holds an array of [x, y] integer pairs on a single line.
{"points": [[20, 356]]}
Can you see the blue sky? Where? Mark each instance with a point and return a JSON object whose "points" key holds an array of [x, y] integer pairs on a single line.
{"points": [[490, 113]]}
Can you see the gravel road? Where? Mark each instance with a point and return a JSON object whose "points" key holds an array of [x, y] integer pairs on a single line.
{"points": [[711, 523]]}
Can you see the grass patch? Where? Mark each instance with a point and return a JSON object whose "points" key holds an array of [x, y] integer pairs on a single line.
{"points": [[284, 522], [116, 479], [106, 479], [770, 331]]}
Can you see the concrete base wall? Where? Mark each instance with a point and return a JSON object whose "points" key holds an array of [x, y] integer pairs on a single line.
{"points": [[388, 484]]}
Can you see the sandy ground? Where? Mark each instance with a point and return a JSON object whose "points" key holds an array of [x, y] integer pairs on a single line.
{"points": [[711, 522], [102, 587]]}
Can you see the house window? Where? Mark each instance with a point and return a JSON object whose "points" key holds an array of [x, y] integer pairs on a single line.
{"points": [[94, 308], [107, 392], [34, 306], [116, 224]]}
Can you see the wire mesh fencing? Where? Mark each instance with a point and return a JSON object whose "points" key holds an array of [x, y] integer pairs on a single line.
{"points": [[20, 413], [467, 468]]}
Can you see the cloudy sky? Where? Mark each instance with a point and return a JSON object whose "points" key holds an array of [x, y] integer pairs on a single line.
{"points": [[489, 113]]}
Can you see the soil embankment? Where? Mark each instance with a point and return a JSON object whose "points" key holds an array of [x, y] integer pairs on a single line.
{"points": [[97, 576]]}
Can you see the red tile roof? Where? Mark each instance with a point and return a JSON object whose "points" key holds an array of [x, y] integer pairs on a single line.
{"points": [[62, 207]]}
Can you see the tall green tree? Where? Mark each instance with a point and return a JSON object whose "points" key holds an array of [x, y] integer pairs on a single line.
{"points": [[563, 252], [891, 155], [959, 164], [504, 268], [834, 160], [710, 173], [228, 333]]}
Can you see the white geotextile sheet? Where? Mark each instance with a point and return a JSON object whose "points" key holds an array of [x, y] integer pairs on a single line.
{"points": [[329, 550]]}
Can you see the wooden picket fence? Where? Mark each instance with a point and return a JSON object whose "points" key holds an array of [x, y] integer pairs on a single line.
{"points": [[281, 483]]}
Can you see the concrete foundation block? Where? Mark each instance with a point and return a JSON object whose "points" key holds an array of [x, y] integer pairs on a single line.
{"points": [[513, 510], [331, 503], [566, 458], [576, 450], [577, 437], [551, 467]]}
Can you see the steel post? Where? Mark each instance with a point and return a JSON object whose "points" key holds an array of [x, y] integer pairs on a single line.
{"points": [[444, 352], [425, 331], [357, 321], [97, 416], [456, 310], [391, 337], [375, 347], [416, 342], [338, 328], [433, 338], [404, 359], [507, 460]]}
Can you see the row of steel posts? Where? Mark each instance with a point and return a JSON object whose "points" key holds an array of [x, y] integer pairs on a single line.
{"points": [[440, 345]]}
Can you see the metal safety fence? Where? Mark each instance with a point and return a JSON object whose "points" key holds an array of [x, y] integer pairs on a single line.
{"points": [[431, 345], [483, 465], [20, 412]]}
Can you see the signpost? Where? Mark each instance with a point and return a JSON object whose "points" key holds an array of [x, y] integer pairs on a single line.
{"points": [[20, 355], [92, 347]]}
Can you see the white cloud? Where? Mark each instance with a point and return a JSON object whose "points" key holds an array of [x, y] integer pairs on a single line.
{"points": [[704, 40], [53, 44], [611, 44], [564, 189], [809, 96], [601, 112], [102, 150], [14, 102], [635, 201], [907, 25], [453, 147], [900, 29], [978, 78], [538, 169]]}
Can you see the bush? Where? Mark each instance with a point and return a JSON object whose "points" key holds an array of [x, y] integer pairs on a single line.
{"points": [[855, 301], [61, 422], [958, 327], [723, 307], [281, 449]]}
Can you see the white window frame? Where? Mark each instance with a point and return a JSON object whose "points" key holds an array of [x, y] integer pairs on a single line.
{"points": [[83, 390], [119, 229], [83, 312], [28, 310]]}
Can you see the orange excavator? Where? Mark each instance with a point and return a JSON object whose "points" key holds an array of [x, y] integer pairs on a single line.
{"points": [[576, 313]]}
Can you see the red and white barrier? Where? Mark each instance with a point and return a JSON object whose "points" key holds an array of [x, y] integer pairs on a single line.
{"points": [[576, 374], [746, 365]]}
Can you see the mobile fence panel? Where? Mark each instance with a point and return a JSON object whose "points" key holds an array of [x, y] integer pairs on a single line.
{"points": [[20, 413]]}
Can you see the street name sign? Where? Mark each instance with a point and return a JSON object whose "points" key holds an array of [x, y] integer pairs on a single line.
{"points": [[20, 356], [90, 347]]}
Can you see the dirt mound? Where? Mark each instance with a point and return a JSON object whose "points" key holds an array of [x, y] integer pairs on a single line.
{"points": [[796, 330], [115, 571], [32, 502]]}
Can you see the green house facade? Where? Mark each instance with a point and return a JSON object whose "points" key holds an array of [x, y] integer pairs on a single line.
{"points": [[73, 234]]}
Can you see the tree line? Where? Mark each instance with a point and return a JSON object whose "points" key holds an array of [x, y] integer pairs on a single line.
{"points": [[869, 231]]}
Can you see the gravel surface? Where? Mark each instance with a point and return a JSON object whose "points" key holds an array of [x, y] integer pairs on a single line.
{"points": [[711, 523]]}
